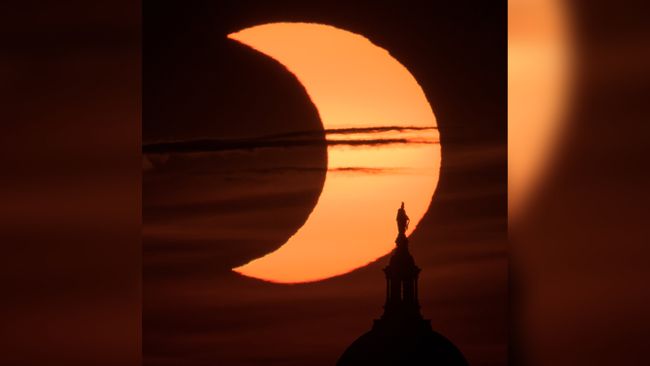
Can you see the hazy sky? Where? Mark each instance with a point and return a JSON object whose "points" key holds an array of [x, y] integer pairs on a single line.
{"points": [[212, 209]]}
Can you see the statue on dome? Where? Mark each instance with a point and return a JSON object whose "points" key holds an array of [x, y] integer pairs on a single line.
{"points": [[402, 221]]}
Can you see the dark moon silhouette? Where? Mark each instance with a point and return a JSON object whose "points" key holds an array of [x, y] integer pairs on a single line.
{"points": [[188, 197]]}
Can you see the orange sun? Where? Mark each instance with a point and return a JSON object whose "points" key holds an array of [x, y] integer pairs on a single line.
{"points": [[353, 84]]}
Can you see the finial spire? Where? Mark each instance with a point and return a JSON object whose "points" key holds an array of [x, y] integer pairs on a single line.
{"points": [[401, 276]]}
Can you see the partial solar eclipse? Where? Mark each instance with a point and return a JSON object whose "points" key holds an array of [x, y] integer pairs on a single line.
{"points": [[363, 94]]}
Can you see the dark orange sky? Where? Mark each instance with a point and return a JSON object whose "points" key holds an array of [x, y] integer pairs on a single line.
{"points": [[216, 208], [71, 197]]}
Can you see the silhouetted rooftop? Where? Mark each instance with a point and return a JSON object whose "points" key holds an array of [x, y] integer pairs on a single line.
{"points": [[402, 337]]}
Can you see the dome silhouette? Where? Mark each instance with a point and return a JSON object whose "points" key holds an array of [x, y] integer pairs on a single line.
{"points": [[410, 347], [402, 337]]}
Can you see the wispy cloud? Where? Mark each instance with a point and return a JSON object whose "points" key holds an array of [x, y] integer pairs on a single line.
{"points": [[350, 131], [293, 139], [315, 169]]}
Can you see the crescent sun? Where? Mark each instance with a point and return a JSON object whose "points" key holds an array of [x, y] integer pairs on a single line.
{"points": [[361, 92]]}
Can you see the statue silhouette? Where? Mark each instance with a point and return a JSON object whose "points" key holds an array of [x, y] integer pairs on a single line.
{"points": [[402, 221]]}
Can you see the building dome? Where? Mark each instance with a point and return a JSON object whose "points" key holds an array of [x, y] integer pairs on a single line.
{"points": [[394, 347], [402, 337]]}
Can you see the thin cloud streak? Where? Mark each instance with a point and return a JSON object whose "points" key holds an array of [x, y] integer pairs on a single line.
{"points": [[350, 131], [253, 144], [292, 139], [305, 169]]}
